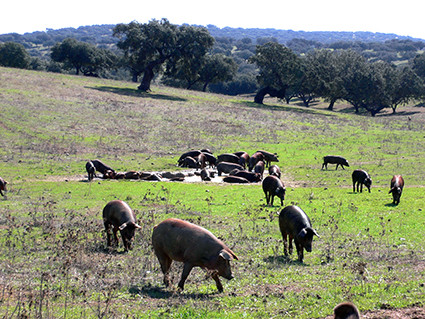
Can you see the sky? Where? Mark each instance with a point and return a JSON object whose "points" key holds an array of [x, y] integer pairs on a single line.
{"points": [[400, 17]]}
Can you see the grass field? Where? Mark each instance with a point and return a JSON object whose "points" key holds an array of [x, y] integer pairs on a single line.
{"points": [[53, 257]]}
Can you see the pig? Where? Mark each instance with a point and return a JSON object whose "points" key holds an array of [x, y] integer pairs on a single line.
{"points": [[189, 162], [235, 180], [295, 224], [91, 170], [101, 167], [179, 240], [273, 186], [259, 168], [250, 176], [338, 160], [132, 175], [3, 184], [226, 167], [192, 154], [228, 157], [243, 158], [201, 160], [210, 159], [397, 184], [275, 170], [109, 174], [269, 157], [346, 310], [254, 159], [118, 175], [117, 215], [361, 177], [205, 175]]}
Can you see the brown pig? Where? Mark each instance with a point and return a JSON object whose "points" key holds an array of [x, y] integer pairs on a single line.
{"points": [[273, 186], [179, 240], [295, 224], [2, 186], [275, 170], [119, 216], [397, 184]]}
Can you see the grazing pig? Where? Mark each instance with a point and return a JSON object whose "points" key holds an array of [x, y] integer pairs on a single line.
{"points": [[269, 157], [2, 186], [189, 162], [91, 170], [101, 167], [235, 179], [250, 176], [295, 224], [275, 170], [338, 160], [243, 158], [397, 184], [192, 154], [179, 240], [210, 159], [228, 157], [205, 175], [254, 159], [361, 177], [273, 186], [117, 215], [201, 160], [226, 167], [259, 168], [346, 310]]}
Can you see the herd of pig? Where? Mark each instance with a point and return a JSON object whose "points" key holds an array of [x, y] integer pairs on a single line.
{"points": [[178, 240]]}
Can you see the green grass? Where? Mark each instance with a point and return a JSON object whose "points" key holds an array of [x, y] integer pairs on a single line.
{"points": [[52, 248]]}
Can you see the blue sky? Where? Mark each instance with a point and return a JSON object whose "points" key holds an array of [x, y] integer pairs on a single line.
{"points": [[401, 17]]}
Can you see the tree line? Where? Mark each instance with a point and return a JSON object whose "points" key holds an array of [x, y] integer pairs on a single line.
{"points": [[190, 57]]}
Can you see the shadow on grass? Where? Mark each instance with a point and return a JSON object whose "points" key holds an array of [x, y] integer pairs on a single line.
{"points": [[391, 205], [136, 93], [283, 260], [164, 293], [288, 108]]}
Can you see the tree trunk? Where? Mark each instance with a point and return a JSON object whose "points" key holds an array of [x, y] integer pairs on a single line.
{"points": [[135, 77], [204, 88], [331, 105], [148, 75]]}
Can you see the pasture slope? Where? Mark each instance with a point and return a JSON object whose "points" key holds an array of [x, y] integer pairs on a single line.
{"points": [[53, 259]]}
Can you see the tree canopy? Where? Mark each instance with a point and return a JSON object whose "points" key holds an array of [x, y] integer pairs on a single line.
{"points": [[14, 55]]}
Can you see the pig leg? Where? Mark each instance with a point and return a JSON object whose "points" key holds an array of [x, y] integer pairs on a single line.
{"points": [[217, 281], [271, 199], [290, 244], [115, 230], [186, 271], [361, 187], [165, 263], [300, 252], [285, 244], [108, 234]]}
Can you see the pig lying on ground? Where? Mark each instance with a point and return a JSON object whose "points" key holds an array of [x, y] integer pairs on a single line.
{"points": [[117, 215], [338, 160], [295, 224], [250, 176], [2, 186], [361, 177], [226, 167], [91, 170], [273, 186], [397, 184], [228, 157], [235, 179], [179, 240], [346, 310]]}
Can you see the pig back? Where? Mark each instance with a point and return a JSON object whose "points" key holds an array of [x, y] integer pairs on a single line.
{"points": [[292, 220], [117, 212], [186, 242]]}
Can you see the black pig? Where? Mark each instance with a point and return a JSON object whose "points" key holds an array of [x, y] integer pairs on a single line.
{"points": [[361, 177], [338, 160], [295, 224], [273, 186]]}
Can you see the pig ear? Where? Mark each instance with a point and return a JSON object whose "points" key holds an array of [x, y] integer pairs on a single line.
{"points": [[302, 233], [391, 190], [225, 255], [315, 232], [122, 226], [137, 226]]}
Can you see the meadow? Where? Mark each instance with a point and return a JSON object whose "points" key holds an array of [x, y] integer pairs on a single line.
{"points": [[54, 262]]}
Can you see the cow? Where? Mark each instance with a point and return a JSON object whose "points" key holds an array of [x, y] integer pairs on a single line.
{"points": [[269, 157], [118, 216], [295, 224], [179, 240], [254, 159], [273, 186], [101, 167], [346, 310], [275, 170], [91, 170], [338, 160], [396, 188], [361, 177], [226, 167], [3, 184]]}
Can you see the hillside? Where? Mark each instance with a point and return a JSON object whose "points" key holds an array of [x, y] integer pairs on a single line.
{"points": [[53, 253]]}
